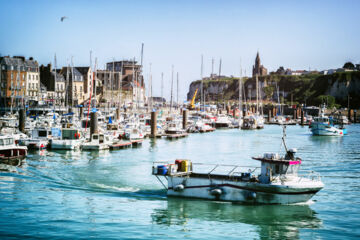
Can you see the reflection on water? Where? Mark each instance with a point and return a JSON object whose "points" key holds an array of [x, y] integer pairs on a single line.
{"points": [[271, 221]]}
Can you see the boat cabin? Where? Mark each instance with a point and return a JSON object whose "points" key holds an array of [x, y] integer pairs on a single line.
{"points": [[273, 166], [6, 141], [99, 138], [70, 134], [40, 133]]}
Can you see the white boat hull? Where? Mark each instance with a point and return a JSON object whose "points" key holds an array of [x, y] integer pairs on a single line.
{"points": [[247, 192], [65, 144]]}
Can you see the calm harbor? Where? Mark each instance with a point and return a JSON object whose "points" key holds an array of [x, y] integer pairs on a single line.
{"points": [[112, 194]]}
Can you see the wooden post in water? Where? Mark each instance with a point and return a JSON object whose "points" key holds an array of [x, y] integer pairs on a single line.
{"points": [[269, 114], [294, 113], [153, 124], [234, 113], [81, 113], [118, 114], [349, 115], [302, 116], [354, 116], [22, 117], [227, 109], [93, 123], [185, 116]]}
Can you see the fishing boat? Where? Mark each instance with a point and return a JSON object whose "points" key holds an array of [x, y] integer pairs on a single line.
{"points": [[323, 126], [9, 151], [278, 182]]}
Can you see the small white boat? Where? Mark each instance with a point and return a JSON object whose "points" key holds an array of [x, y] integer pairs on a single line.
{"points": [[222, 121], [39, 139], [278, 181], [97, 142]]}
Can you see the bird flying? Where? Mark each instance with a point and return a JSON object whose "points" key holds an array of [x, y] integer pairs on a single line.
{"points": [[63, 18]]}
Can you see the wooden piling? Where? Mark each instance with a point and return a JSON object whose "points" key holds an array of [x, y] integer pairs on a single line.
{"points": [[93, 123], [185, 116], [294, 113], [302, 117], [22, 117], [269, 115], [354, 116], [81, 111], [234, 113], [118, 114], [153, 124], [227, 109]]}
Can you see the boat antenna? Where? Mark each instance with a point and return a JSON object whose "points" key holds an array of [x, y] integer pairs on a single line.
{"points": [[283, 137]]}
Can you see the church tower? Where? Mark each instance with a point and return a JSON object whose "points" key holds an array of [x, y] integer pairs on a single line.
{"points": [[259, 69]]}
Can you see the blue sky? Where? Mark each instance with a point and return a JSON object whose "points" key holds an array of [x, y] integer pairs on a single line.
{"points": [[294, 34]]}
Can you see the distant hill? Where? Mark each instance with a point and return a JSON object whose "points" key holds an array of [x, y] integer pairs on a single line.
{"points": [[313, 89]]}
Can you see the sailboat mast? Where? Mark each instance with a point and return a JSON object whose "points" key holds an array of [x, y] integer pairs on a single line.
{"points": [[72, 82], [133, 82], [162, 86], [55, 78], [177, 89], [120, 84], [95, 77], [172, 83], [257, 95], [202, 82]]}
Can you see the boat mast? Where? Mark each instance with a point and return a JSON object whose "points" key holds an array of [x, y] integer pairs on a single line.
{"points": [[55, 79], [112, 83], [140, 73], [72, 82], [120, 84], [162, 86], [133, 82], [240, 95], [257, 95], [172, 83], [177, 90], [95, 80], [67, 85], [202, 82]]}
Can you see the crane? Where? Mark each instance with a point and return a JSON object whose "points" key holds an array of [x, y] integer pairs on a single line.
{"points": [[192, 103]]}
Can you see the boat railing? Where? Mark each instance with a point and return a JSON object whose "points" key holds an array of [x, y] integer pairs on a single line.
{"points": [[235, 170], [310, 175]]}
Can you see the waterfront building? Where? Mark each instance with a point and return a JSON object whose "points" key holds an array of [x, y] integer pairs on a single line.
{"points": [[74, 82], [87, 74], [13, 80], [32, 79], [258, 69], [54, 83], [122, 80]]}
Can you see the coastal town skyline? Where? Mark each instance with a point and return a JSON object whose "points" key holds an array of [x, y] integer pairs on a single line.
{"points": [[285, 34]]}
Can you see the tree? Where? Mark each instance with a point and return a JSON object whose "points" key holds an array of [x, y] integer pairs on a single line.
{"points": [[349, 65], [325, 99], [269, 91]]}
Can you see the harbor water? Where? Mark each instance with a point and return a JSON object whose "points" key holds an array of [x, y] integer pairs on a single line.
{"points": [[112, 194]]}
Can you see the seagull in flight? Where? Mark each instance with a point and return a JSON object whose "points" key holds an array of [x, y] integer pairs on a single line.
{"points": [[63, 18]]}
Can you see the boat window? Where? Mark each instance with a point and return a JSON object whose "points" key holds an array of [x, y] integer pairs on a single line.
{"points": [[1, 142], [95, 137], [277, 169], [7, 141], [42, 133]]}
